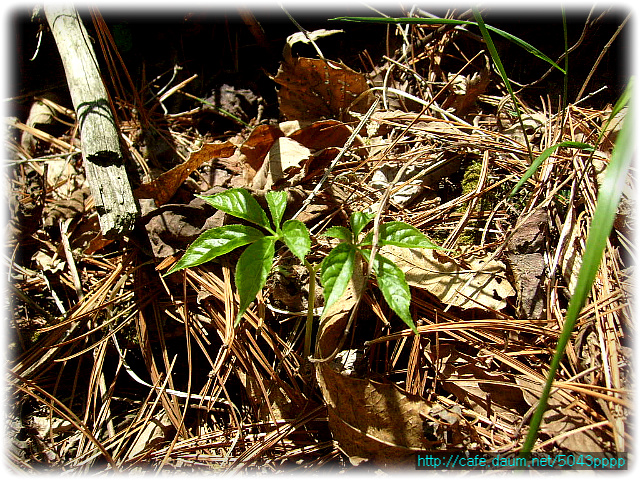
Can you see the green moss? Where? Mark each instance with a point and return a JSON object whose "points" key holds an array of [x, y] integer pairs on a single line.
{"points": [[469, 183], [471, 177]]}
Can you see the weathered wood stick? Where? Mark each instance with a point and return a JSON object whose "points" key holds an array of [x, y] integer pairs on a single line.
{"points": [[102, 157]]}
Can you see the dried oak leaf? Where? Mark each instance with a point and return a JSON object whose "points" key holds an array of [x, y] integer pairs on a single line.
{"points": [[311, 89], [321, 134], [164, 187], [482, 285], [369, 420]]}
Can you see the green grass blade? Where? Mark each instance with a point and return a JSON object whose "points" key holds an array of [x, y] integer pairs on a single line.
{"points": [[602, 222], [541, 158], [498, 63], [450, 21]]}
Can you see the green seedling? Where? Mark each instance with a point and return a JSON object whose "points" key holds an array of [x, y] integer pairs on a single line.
{"points": [[336, 270], [256, 261]]}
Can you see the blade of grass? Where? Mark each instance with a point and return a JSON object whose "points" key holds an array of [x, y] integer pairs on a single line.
{"points": [[498, 63], [541, 158], [451, 21], [602, 222]]}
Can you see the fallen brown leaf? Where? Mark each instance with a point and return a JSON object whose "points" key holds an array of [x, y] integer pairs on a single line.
{"points": [[164, 187]]}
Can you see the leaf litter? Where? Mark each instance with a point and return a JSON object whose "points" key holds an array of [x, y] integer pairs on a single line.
{"points": [[488, 310]]}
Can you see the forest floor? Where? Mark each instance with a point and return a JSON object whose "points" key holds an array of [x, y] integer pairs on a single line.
{"points": [[115, 366]]}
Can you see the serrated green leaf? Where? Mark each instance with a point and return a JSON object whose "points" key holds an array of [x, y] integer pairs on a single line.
{"points": [[296, 237], [252, 270], [394, 287], [277, 202], [336, 271], [400, 234], [343, 233], [215, 242], [358, 221], [239, 203]]}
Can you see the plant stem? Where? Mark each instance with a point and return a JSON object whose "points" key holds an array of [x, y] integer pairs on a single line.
{"points": [[310, 309]]}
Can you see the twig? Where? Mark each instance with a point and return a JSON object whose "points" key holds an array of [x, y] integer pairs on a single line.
{"points": [[335, 161], [64, 236], [102, 157], [599, 59]]}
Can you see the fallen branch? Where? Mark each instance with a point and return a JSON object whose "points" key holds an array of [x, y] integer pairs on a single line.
{"points": [[103, 163]]}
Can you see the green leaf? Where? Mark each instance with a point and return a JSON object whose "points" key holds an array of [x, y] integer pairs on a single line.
{"points": [[394, 287], [343, 233], [277, 201], [239, 203], [541, 158], [336, 271], [450, 21], [215, 242], [252, 270], [296, 237], [358, 221], [400, 234]]}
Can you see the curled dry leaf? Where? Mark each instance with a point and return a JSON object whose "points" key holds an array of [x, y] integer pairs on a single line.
{"points": [[305, 37], [466, 90], [312, 89], [482, 285], [164, 187]]}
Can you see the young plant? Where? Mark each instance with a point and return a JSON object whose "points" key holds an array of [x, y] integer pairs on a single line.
{"points": [[336, 269], [256, 261]]}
